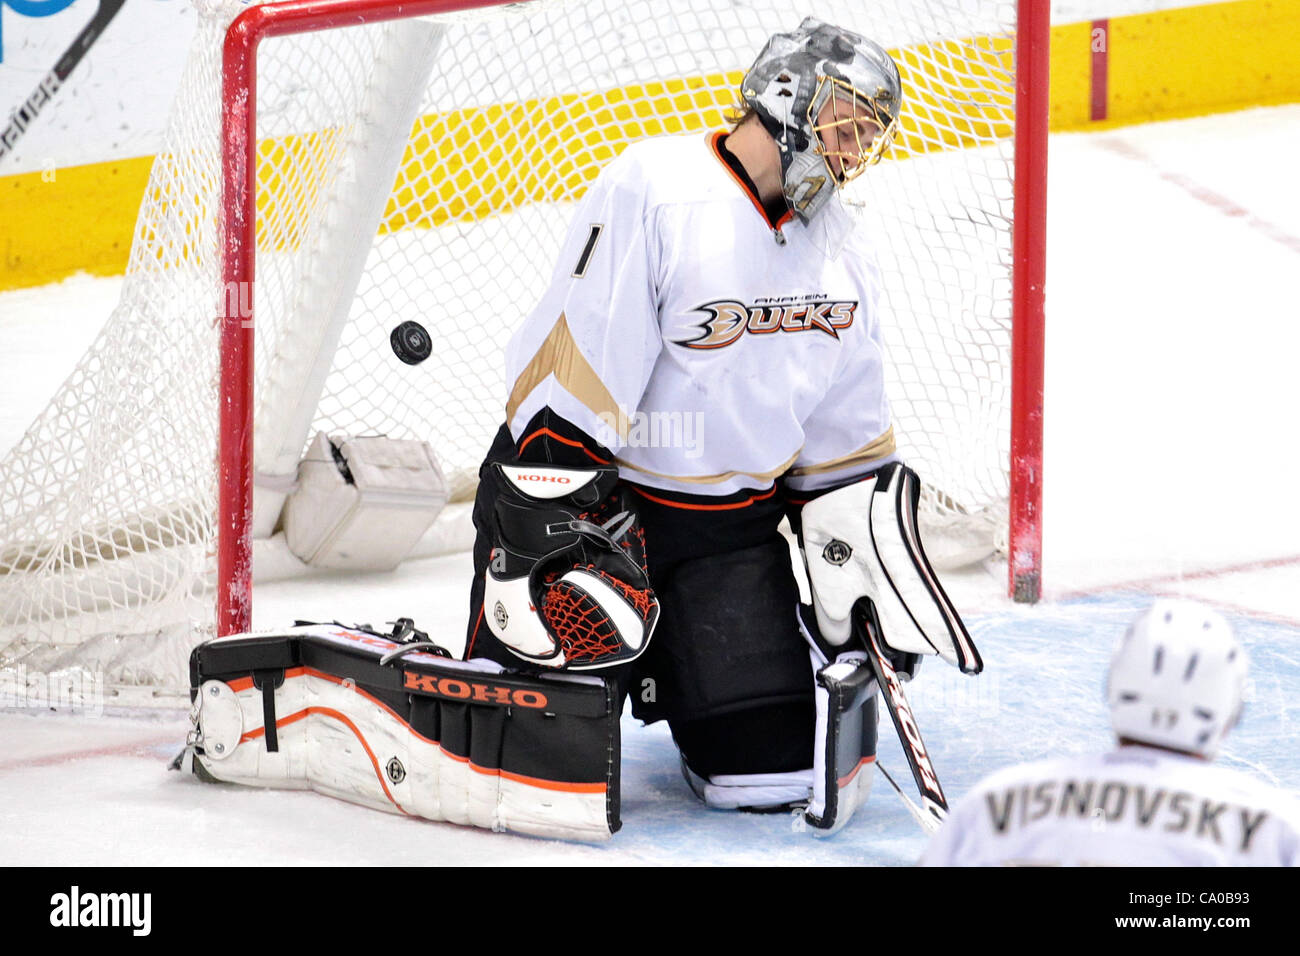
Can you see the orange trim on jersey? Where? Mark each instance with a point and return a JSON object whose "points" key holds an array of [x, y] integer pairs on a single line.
{"points": [[541, 783], [564, 441], [845, 780], [768, 475], [729, 506], [714, 143]]}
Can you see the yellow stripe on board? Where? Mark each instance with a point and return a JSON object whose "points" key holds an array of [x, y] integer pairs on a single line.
{"points": [[956, 94], [471, 163], [1198, 60], [59, 222], [468, 164], [1070, 67]]}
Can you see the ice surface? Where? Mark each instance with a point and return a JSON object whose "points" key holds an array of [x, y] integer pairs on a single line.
{"points": [[1171, 468]]}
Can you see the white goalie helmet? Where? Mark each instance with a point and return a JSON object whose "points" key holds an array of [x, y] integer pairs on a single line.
{"points": [[1177, 678], [794, 77]]}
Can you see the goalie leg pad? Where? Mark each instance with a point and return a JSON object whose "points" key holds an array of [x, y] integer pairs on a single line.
{"points": [[420, 734], [845, 745]]}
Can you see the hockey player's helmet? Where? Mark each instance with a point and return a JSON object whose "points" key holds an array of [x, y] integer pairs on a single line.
{"points": [[1177, 678], [794, 77]]}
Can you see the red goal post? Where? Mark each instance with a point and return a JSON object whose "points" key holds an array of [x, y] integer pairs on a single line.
{"points": [[1029, 275]]}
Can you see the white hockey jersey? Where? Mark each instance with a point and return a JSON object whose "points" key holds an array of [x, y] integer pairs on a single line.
{"points": [[706, 354], [1136, 806]]}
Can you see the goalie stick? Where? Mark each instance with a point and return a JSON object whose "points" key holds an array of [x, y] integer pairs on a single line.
{"points": [[928, 822], [934, 804], [25, 114]]}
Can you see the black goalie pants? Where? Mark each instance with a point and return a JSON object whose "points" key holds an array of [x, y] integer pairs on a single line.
{"points": [[727, 667]]}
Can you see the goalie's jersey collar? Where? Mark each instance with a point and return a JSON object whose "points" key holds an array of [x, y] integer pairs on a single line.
{"points": [[776, 213]]}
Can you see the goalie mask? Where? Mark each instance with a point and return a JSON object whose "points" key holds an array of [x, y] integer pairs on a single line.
{"points": [[790, 85]]}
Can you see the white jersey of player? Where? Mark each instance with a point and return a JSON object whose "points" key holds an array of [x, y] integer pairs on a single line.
{"points": [[706, 354], [1135, 806]]}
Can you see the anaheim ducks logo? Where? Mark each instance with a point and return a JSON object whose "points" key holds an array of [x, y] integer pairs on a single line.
{"points": [[726, 320]]}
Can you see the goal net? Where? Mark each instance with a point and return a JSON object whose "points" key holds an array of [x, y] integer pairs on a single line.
{"points": [[425, 168]]}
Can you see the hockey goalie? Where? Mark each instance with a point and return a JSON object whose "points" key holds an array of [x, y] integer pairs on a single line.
{"points": [[714, 280]]}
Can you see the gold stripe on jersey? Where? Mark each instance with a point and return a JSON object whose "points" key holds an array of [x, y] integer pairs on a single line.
{"points": [[763, 476], [560, 356], [872, 451]]}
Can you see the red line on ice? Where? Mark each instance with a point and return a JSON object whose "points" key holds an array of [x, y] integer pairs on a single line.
{"points": [[1240, 609], [135, 748], [1265, 564], [1155, 586], [1205, 195]]}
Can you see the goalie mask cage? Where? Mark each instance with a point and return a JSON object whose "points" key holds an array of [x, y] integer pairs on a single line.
{"points": [[335, 167]]}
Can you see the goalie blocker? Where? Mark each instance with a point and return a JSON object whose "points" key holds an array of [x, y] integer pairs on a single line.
{"points": [[391, 722], [863, 540]]}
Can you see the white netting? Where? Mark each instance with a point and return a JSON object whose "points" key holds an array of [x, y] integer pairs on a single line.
{"points": [[488, 126]]}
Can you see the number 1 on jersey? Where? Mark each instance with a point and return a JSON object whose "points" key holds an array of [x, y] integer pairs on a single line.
{"points": [[585, 259]]}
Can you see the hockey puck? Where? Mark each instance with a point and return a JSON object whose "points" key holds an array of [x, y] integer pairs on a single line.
{"points": [[411, 343]]}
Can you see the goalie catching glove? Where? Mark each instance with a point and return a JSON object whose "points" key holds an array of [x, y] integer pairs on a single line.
{"points": [[862, 540], [566, 585]]}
